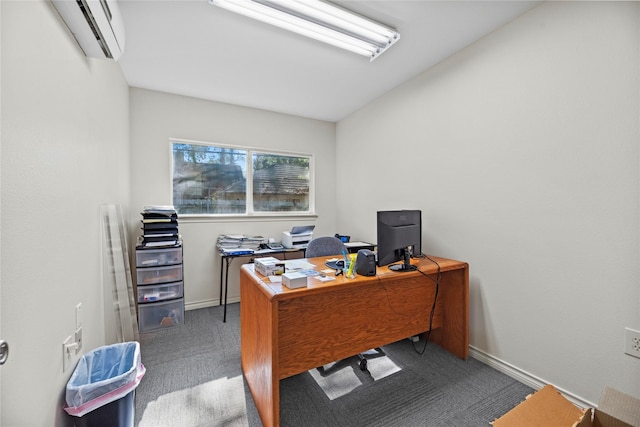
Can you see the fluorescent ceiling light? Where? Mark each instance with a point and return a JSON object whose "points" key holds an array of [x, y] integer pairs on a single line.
{"points": [[321, 21]]}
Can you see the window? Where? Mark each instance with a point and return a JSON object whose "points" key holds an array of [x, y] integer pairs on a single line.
{"points": [[224, 180]]}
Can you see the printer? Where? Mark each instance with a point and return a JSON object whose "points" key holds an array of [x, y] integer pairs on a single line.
{"points": [[298, 238]]}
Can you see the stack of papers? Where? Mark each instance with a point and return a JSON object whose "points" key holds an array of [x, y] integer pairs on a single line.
{"points": [[159, 227], [239, 243]]}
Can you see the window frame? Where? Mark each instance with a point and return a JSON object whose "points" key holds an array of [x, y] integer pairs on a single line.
{"points": [[250, 151]]}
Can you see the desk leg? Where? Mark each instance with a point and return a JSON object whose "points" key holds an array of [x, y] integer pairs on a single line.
{"points": [[222, 261], [226, 288]]}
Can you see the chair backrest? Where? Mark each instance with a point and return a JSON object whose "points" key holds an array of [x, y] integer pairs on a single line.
{"points": [[325, 246]]}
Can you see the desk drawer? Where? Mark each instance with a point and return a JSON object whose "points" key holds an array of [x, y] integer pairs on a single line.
{"points": [[158, 257], [160, 315], [167, 291], [152, 276]]}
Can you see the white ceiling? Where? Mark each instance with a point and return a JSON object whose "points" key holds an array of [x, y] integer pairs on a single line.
{"points": [[191, 48]]}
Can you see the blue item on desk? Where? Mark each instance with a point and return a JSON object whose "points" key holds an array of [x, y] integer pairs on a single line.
{"points": [[343, 239], [235, 251]]}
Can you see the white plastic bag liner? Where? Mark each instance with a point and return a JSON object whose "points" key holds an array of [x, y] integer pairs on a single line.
{"points": [[102, 376]]}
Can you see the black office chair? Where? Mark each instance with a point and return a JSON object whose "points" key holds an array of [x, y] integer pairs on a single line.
{"points": [[327, 246]]}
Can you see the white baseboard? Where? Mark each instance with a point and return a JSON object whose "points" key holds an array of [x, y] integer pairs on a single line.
{"points": [[524, 376]]}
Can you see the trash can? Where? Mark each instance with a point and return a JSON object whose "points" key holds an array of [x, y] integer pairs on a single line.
{"points": [[101, 390]]}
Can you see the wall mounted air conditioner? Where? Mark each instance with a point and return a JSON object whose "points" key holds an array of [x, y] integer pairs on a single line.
{"points": [[96, 25]]}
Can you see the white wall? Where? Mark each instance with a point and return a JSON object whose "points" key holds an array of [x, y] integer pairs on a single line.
{"points": [[65, 151], [156, 117], [522, 152]]}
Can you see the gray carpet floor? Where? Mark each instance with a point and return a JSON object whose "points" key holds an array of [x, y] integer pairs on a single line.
{"points": [[194, 379]]}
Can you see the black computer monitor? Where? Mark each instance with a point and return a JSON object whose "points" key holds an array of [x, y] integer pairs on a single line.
{"points": [[399, 238]]}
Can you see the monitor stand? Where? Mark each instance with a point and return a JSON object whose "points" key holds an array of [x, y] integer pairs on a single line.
{"points": [[406, 264]]}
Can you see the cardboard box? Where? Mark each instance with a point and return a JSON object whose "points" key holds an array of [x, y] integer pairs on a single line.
{"points": [[548, 408], [294, 280], [616, 409], [269, 266]]}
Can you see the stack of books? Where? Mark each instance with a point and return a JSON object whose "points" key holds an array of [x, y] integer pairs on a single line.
{"points": [[159, 227], [239, 244]]}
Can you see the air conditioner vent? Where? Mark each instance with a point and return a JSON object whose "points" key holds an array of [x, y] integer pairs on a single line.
{"points": [[96, 25]]}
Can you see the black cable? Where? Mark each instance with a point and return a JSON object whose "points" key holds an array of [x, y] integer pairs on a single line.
{"points": [[433, 307], [436, 281]]}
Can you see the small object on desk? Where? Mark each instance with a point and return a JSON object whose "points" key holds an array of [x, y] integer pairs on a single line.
{"points": [[336, 264], [366, 263], [308, 273], [350, 273], [294, 280], [324, 278], [298, 264], [275, 279], [271, 246], [269, 266]]}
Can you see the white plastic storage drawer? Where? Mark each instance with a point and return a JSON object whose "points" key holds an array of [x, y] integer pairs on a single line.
{"points": [[160, 315], [153, 293], [158, 257], [152, 276]]}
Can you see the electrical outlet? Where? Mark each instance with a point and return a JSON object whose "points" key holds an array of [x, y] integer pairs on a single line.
{"points": [[78, 340], [632, 342], [78, 315], [66, 353]]}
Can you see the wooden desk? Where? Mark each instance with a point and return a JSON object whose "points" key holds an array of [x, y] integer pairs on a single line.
{"points": [[286, 332]]}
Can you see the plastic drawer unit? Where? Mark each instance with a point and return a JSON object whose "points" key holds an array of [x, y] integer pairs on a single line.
{"points": [[158, 257], [155, 275], [163, 292], [160, 288], [161, 315]]}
